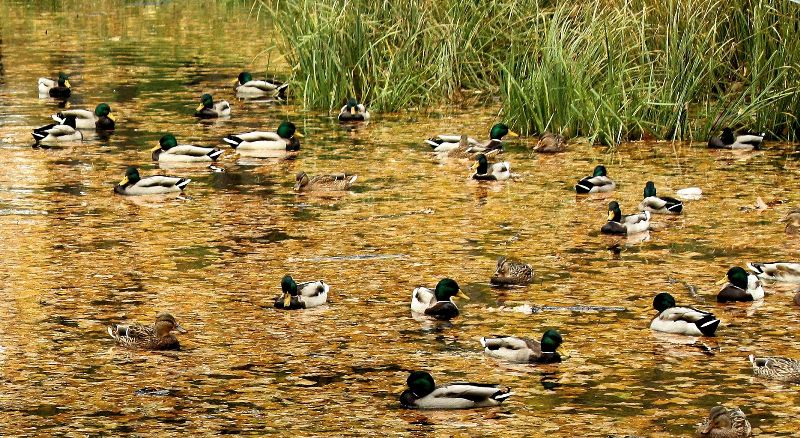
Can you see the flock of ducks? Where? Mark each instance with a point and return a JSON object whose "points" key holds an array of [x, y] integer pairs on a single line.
{"points": [[436, 303]]}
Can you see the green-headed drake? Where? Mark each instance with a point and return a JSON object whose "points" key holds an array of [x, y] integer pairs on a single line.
{"points": [[728, 140], [323, 183], [599, 182], [681, 320], [627, 224], [777, 271], [169, 151], [725, 423], [59, 88], [659, 204], [511, 273], [740, 286], [524, 350], [422, 393], [301, 296], [209, 109], [158, 336], [265, 143], [134, 185], [353, 111], [550, 143], [490, 172], [776, 368], [101, 119], [58, 132], [246, 87], [447, 142], [437, 303]]}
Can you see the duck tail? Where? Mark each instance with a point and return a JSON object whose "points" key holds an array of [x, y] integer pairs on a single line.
{"points": [[233, 140], [708, 325], [583, 187], [432, 142], [183, 182], [215, 154], [752, 359], [282, 90], [757, 268], [483, 341], [502, 394], [38, 136], [58, 118]]}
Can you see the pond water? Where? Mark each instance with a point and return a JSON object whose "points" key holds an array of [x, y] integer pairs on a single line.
{"points": [[77, 258]]}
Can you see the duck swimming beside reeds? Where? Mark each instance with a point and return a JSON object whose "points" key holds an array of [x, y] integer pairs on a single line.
{"points": [[209, 109], [599, 182], [246, 87], [741, 142], [490, 172], [353, 111], [445, 143], [255, 143], [550, 143]]}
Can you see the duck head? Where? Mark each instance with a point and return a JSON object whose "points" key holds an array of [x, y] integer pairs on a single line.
{"points": [[737, 277], [481, 164], [131, 176], [663, 301], [446, 289], [352, 105], [420, 383], [287, 130], [792, 220], [165, 143], [244, 77], [500, 130], [599, 170], [649, 189], [718, 418], [551, 339], [165, 324], [206, 101], [63, 80], [727, 136], [614, 212], [289, 288], [301, 180]]}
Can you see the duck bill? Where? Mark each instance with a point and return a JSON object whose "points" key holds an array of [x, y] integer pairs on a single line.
{"points": [[721, 282], [179, 329], [200, 107], [353, 110], [297, 134], [112, 117], [124, 181], [611, 215], [707, 429], [67, 84], [473, 166], [155, 148], [461, 294], [512, 134], [287, 300]]}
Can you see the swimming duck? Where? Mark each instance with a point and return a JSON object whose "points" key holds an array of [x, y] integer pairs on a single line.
{"points": [[599, 182], [439, 302], [168, 150], [496, 172], [524, 350], [724, 423], [792, 220], [740, 287], [301, 296], [659, 204], [628, 224], [209, 109], [681, 320], [422, 393], [776, 368], [353, 111], [134, 185], [742, 142], [550, 143], [247, 87], [59, 88], [448, 142], [58, 132], [777, 271], [101, 119], [257, 142], [148, 337], [508, 273], [338, 181]]}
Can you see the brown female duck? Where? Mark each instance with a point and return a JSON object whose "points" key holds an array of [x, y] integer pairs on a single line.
{"points": [[148, 337]]}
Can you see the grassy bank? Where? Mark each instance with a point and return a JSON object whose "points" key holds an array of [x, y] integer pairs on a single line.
{"points": [[615, 71]]}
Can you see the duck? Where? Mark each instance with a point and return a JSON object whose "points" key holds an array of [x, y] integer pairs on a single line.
{"points": [[681, 320], [550, 143], [256, 143], [599, 182], [437, 303], [777, 271], [353, 111], [448, 142], [101, 119], [168, 150], [148, 337], [776, 368], [797, 298], [301, 296], [209, 109], [247, 87], [494, 172], [511, 273], [337, 181], [725, 423], [58, 132], [524, 350], [740, 286], [727, 140], [792, 221], [134, 185], [59, 88], [659, 204], [422, 393], [628, 224]]}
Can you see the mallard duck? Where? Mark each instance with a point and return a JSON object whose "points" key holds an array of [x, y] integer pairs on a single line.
{"points": [[168, 150], [437, 303], [338, 181], [353, 111], [422, 393], [740, 287], [792, 220], [301, 296], [743, 142], [776, 368], [681, 320], [550, 143], [247, 87], [524, 350], [448, 142], [777, 271], [148, 337], [628, 224], [508, 272], [260, 142], [495, 172], [101, 119], [58, 132], [797, 298], [659, 204], [209, 109], [134, 185], [59, 88], [724, 423], [599, 182]]}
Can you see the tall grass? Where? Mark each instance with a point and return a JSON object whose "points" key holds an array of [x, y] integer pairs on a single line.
{"points": [[611, 70]]}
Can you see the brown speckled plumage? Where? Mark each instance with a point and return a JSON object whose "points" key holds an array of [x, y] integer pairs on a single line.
{"points": [[148, 337], [508, 272], [776, 368], [724, 423]]}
